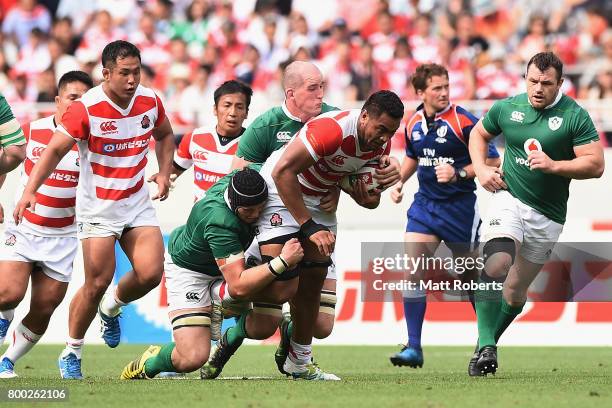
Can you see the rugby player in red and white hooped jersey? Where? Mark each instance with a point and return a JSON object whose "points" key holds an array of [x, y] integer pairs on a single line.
{"points": [[211, 149], [298, 176], [44, 245], [326, 149], [111, 125]]}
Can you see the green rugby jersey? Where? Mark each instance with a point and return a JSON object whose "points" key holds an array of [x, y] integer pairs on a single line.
{"points": [[10, 130], [212, 231], [269, 132], [555, 131]]}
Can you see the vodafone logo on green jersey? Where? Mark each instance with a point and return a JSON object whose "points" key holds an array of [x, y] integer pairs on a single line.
{"points": [[530, 145]]}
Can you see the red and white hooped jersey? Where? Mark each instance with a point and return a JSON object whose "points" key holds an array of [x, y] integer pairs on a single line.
{"points": [[331, 139], [54, 213], [211, 160], [113, 145]]}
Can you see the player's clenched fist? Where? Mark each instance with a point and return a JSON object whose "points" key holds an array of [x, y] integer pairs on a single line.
{"points": [[490, 178], [28, 200], [292, 252], [396, 193], [540, 161], [445, 173]]}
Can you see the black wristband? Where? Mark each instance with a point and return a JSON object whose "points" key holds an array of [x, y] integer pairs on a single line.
{"points": [[310, 227]]}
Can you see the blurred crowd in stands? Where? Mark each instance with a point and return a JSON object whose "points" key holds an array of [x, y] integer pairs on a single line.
{"points": [[191, 46]]}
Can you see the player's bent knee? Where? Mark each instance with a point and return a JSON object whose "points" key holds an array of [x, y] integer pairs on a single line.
{"points": [[285, 293], [266, 317], [327, 312], [151, 279], [10, 298], [192, 359], [499, 254], [324, 326], [95, 287]]}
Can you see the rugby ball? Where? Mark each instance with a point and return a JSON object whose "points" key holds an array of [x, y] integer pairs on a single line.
{"points": [[365, 174]]}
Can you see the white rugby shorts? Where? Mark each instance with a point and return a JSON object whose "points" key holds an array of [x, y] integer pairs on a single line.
{"points": [[55, 255], [508, 216]]}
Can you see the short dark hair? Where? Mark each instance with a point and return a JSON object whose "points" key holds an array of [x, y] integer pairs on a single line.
{"points": [[75, 76], [118, 49], [545, 60], [424, 72], [384, 102], [232, 87]]}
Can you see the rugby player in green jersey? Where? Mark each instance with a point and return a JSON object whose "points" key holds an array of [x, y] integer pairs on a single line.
{"points": [[209, 248], [549, 141]]}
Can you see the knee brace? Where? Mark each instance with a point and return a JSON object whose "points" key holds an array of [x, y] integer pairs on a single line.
{"points": [[501, 244], [328, 302], [268, 309], [193, 319]]}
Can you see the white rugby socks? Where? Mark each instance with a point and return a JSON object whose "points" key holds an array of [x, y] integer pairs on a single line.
{"points": [[111, 305], [73, 346], [300, 354], [23, 341]]}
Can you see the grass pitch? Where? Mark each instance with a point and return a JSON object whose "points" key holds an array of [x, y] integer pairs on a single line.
{"points": [[528, 377]]}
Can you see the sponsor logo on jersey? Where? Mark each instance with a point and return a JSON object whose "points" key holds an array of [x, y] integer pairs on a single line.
{"points": [[192, 297], [108, 127], [554, 123], [145, 122], [517, 116], [429, 158], [10, 241], [532, 145], [199, 156], [441, 132], [495, 221], [435, 161], [61, 176], [276, 220], [78, 162], [283, 136], [37, 152], [338, 159], [206, 177], [112, 147]]}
